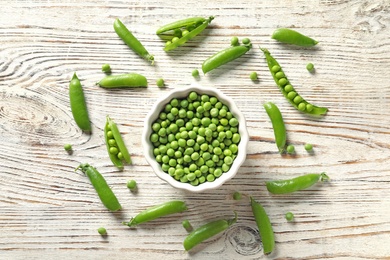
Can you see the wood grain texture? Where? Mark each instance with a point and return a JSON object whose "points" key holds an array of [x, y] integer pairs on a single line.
{"points": [[48, 211]]}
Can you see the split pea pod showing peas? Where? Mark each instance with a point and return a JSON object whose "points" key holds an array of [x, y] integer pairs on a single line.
{"points": [[207, 231], [295, 184], [277, 124], [167, 208], [132, 41], [225, 56], [129, 80], [264, 225], [104, 191], [189, 28], [288, 90], [116, 148], [289, 36], [78, 104]]}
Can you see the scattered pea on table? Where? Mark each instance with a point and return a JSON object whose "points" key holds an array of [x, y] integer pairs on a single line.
{"points": [[160, 83], [308, 147], [195, 73], [68, 147], [102, 231], [289, 216], [310, 67], [132, 185], [106, 68], [237, 195], [253, 76], [290, 149]]}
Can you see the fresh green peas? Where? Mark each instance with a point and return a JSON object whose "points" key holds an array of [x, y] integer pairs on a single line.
{"points": [[207, 231], [157, 211], [287, 89], [290, 149], [225, 56], [289, 216], [195, 73], [104, 191], [308, 147], [115, 144], [234, 41], [264, 225], [310, 67], [106, 68], [129, 80], [246, 41], [132, 41], [237, 195], [253, 76], [132, 185], [277, 124], [78, 104], [289, 36], [295, 184], [187, 225], [194, 26], [160, 83], [102, 231], [68, 147]]}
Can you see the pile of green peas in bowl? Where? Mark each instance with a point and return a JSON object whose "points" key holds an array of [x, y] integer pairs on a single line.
{"points": [[195, 138]]}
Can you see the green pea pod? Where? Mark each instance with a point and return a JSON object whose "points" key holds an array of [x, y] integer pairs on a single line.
{"points": [[224, 57], [293, 37], [132, 41], [277, 124], [78, 104], [180, 24], [264, 225], [115, 142], [104, 191], [167, 208], [188, 36], [207, 231], [295, 184], [129, 80], [295, 100]]}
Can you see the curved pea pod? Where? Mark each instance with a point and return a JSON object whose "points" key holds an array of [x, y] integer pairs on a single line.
{"points": [[189, 35], [289, 36], [132, 41], [116, 148], [167, 208], [224, 57], [264, 225], [295, 184], [207, 231], [277, 124], [180, 24], [129, 80], [104, 191], [299, 103], [78, 104]]}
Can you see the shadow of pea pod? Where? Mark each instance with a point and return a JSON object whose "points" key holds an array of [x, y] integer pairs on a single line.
{"points": [[245, 240]]}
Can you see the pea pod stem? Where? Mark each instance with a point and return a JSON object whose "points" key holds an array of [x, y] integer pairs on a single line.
{"points": [[290, 36], [189, 36], [167, 208], [132, 41], [264, 225], [277, 124], [78, 104], [180, 24], [207, 231], [224, 56], [129, 80], [282, 82], [295, 184], [104, 191]]}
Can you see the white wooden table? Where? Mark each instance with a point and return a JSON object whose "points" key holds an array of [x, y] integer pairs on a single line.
{"points": [[47, 211]]}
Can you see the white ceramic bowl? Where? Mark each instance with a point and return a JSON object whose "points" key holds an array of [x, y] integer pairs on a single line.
{"points": [[181, 93]]}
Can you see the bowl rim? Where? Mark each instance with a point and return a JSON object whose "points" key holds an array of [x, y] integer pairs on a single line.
{"points": [[182, 92]]}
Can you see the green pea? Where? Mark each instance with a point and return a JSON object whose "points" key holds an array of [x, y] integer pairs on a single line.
{"points": [[68, 147], [234, 41], [279, 75], [210, 177], [289, 216], [132, 185], [275, 68], [195, 73], [290, 149], [106, 68], [298, 99], [110, 135], [217, 172], [308, 147], [237, 195], [291, 95], [245, 41], [202, 179], [302, 106], [113, 150], [282, 81], [310, 67], [288, 88], [160, 83], [102, 231], [253, 76]]}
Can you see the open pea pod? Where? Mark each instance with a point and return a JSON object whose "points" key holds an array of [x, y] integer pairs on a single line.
{"points": [[184, 23]]}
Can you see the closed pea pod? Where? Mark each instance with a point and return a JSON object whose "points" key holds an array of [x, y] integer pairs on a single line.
{"points": [[295, 184], [78, 104], [264, 225], [116, 148], [289, 36], [132, 41], [207, 231], [104, 191], [167, 208], [277, 124], [224, 57], [129, 80], [291, 93]]}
